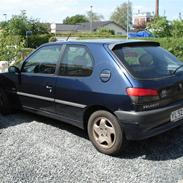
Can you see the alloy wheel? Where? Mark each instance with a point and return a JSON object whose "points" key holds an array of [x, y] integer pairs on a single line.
{"points": [[104, 132]]}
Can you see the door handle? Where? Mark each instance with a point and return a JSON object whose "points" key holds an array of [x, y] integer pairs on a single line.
{"points": [[49, 88]]}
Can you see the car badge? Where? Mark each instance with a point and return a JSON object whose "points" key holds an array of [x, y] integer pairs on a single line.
{"points": [[163, 93]]}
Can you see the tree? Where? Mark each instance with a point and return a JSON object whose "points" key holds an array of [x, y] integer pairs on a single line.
{"points": [[10, 46], [177, 28], [93, 16], [19, 24], [160, 27], [75, 19], [38, 28], [120, 15], [18, 27]]}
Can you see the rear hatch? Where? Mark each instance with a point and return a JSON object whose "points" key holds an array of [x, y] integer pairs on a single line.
{"points": [[155, 74], [169, 91]]}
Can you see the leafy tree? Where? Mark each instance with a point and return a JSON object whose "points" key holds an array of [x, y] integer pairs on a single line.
{"points": [[75, 19], [93, 16], [38, 28], [19, 24], [177, 28], [10, 46], [120, 15], [160, 27]]}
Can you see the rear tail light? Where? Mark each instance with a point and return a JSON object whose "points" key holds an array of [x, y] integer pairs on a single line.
{"points": [[143, 98], [141, 92]]}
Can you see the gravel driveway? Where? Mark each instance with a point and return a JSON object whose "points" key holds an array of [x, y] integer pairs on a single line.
{"points": [[38, 149]]}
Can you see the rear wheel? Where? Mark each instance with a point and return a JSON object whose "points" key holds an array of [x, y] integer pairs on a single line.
{"points": [[5, 106], [105, 132]]}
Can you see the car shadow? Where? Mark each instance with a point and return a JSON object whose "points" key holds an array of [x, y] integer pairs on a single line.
{"points": [[15, 119], [27, 117], [166, 146]]}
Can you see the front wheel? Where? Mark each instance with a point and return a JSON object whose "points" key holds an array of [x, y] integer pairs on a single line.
{"points": [[105, 132]]}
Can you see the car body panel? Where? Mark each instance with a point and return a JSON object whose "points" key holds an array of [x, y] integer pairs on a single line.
{"points": [[33, 88]]}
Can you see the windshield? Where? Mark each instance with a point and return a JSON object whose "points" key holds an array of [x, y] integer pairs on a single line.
{"points": [[148, 62]]}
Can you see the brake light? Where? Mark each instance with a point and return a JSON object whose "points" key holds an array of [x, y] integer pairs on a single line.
{"points": [[139, 92]]}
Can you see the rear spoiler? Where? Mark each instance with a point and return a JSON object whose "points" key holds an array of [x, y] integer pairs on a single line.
{"points": [[133, 44]]}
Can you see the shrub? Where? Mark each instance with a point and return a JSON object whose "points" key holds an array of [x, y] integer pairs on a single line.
{"points": [[107, 31], [88, 35], [10, 46], [35, 41], [174, 45], [177, 28], [160, 27], [52, 39]]}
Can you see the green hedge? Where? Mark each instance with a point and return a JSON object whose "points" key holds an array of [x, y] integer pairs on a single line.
{"points": [[91, 35], [174, 45], [35, 41]]}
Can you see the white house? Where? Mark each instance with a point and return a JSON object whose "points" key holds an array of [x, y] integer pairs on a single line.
{"points": [[87, 27]]}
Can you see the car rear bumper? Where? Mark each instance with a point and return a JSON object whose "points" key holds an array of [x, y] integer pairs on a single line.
{"points": [[142, 125]]}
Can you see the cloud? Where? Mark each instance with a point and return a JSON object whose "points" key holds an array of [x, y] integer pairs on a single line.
{"points": [[47, 10], [56, 10]]}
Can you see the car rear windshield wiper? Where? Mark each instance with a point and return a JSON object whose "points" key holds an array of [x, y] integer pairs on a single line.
{"points": [[177, 69]]}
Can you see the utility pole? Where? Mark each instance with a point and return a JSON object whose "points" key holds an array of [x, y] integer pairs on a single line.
{"points": [[127, 18], [180, 15], [91, 21], [164, 14]]}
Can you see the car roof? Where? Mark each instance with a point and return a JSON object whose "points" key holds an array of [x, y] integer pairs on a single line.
{"points": [[111, 42]]}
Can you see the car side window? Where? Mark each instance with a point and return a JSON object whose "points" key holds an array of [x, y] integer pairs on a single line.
{"points": [[76, 61], [43, 61]]}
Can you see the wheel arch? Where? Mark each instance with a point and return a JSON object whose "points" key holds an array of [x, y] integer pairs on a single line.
{"points": [[5, 82], [91, 109]]}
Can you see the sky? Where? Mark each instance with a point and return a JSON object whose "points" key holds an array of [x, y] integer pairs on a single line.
{"points": [[54, 11]]}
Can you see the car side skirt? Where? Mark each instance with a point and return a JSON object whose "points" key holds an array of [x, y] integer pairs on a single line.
{"points": [[78, 124]]}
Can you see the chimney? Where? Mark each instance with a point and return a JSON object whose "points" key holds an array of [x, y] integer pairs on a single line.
{"points": [[157, 8]]}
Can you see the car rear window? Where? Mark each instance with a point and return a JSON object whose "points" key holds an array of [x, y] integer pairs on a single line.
{"points": [[147, 62]]}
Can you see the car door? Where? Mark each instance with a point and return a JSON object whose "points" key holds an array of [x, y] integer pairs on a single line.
{"points": [[72, 82], [36, 87]]}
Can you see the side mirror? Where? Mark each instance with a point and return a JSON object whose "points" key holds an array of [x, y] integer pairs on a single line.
{"points": [[14, 70]]}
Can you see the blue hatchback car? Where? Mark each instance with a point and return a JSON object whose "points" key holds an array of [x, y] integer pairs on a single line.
{"points": [[116, 90]]}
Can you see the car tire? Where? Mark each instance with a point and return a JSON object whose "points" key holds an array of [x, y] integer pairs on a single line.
{"points": [[5, 106], [105, 132]]}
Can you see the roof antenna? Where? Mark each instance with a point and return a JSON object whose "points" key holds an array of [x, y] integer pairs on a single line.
{"points": [[74, 30]]}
